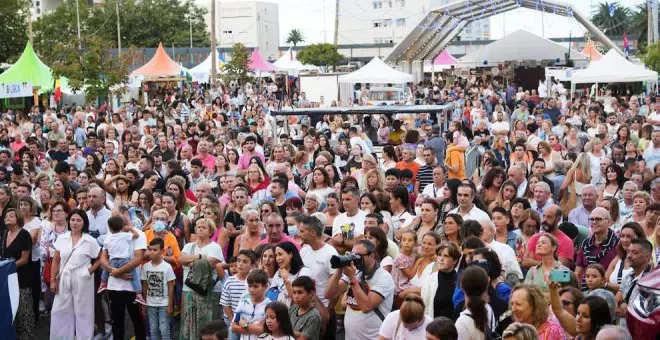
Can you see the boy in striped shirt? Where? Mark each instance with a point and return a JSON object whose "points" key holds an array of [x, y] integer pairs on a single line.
{"points": [[236, 285]]}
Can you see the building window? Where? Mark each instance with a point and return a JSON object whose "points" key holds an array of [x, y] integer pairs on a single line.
{"points": [[378, 23], [389, 4], [227, 32], [266, 28], [377, 5], [400, 22], [402, 3]]}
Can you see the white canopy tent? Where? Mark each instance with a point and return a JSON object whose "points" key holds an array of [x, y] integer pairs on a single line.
{"points": [[376, 71], [202, 72], [290, 63], [613, 68], [519, 46]]}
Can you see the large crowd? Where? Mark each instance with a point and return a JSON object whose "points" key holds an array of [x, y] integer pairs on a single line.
{"points": [[205, 215]]}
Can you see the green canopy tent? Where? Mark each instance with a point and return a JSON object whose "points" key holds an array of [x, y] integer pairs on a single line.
{"points": [[29, 69]]}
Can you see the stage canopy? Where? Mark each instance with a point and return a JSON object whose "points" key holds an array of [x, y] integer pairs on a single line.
{"points": [[613, 68], [518, 46], [288, 62], [259, 64], [202, 72], [376, 71], [591, 52], [160, 66], [29, 69]]}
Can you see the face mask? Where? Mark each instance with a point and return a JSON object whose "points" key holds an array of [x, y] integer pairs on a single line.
{"points": [[293, 230], [418, 211], [159, 226]]}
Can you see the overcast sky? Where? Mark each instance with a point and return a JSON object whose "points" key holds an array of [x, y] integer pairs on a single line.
{"points": [[307, 15]]}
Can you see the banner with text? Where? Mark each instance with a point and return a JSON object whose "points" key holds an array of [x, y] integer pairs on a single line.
{"points": [[15, 90]]}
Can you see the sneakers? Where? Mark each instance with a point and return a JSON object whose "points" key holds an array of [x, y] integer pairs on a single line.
{"points": [[139, 299], [102, 287]]}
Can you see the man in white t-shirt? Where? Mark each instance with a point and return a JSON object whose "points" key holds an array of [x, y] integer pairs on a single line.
{"points": [[467, 209], [507, 256], [370, 292], [120, 291], [348, 227], [500, 127]]}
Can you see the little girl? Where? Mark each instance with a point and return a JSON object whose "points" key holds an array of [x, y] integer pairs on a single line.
{"points": [[402, 269], [594, 277], [278, 324]]}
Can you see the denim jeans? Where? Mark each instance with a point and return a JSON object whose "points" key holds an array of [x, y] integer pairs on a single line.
{"points": [[119, 262], [159, 323]]}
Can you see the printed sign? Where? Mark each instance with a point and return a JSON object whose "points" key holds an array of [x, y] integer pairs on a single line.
{"points": [[15, 90]]}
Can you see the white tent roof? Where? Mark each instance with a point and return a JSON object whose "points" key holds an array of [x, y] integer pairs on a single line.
{"points": [[290, 63], [376, 71], [202, 72], [613, 68], [518, 46]]}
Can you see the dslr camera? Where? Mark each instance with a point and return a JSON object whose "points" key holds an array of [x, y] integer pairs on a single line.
{"points": [[341, 261]]}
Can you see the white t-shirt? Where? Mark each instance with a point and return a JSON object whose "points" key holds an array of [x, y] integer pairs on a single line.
{"points": [[401, 220], [318, 262], [466, 328], [359, 325], [501, 126], [118, 245], [32, 225], [432, 191], [349, 226], [210, 250], [474, 214], [507, 257], [119, 284], [157, 278], [278, 283], [393, 329]]}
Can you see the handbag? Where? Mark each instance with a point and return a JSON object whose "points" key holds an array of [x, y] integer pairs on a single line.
{"points": [[196, 284], [48, 267]]}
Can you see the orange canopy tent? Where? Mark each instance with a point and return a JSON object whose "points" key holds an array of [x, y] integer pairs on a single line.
{"points": [[160, 67], [591, 52]]}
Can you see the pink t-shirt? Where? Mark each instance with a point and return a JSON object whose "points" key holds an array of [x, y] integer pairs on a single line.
{"points": [[244, 160], [566, 249], [285, 238], [551, 330], [208, 161]]}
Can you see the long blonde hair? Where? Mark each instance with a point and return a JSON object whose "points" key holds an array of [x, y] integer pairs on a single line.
{"points": [[584, 164]]}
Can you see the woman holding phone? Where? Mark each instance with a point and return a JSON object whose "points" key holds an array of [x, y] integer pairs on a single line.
{"points": [[546, 248]]}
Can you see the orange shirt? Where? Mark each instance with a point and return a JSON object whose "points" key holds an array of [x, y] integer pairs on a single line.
{"points": [[171, 246], [413, 166], [455, 156]]}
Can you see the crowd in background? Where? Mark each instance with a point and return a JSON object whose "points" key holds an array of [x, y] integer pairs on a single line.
{"points": [[205, 215]]}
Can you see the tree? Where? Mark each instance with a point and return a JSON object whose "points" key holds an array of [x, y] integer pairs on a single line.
{"points": [[320, 55], [652, 57], [93, 69], [13, 30], [612, 24], [237, 68], [295, 37]]}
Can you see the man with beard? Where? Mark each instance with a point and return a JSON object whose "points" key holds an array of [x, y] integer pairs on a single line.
{"points": [[250, 143], [551, 217]]}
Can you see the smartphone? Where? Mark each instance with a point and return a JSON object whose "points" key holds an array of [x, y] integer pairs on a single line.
{"points": [[560, 276]]}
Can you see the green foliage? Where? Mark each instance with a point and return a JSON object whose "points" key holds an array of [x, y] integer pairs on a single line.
{"points": [[295, 37], [13, 30], [237, 68], [612, 25], [320, 55], [144, 23], [94, 69], [652, 57]]}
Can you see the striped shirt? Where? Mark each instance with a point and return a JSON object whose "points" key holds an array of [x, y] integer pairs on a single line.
{"points": [[232, 292], [425, 175]]}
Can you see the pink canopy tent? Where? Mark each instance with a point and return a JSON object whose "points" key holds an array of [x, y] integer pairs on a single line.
{"points": [[258, 63], [444, 58]]}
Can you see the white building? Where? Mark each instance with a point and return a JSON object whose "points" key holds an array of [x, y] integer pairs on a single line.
{"points": [[41, 7], [389, 21], [255, 24]]}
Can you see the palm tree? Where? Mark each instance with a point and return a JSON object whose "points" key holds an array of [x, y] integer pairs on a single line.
{"points": [[295, 37], [612, 25]]}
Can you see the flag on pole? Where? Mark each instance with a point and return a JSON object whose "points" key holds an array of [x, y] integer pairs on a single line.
{"points": [[58, 90], [626, 45]]}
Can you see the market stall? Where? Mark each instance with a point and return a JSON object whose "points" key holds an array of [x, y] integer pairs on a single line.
{"points": [[289, 63], [161, 72], [202, 72], [386, 85], [28, 77]]}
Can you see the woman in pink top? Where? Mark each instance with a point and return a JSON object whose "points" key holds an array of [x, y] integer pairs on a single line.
{"points": [[528, 305]]}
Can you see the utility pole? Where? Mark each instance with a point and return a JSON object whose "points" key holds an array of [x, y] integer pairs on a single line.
{"points": [[336, 22], [654, 8], [29, 22], [649, 27], [118, 29], [213, 47], [78, 22]]}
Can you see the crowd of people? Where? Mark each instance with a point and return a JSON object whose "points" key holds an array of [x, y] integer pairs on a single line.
{"points": [[205, 216]]}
